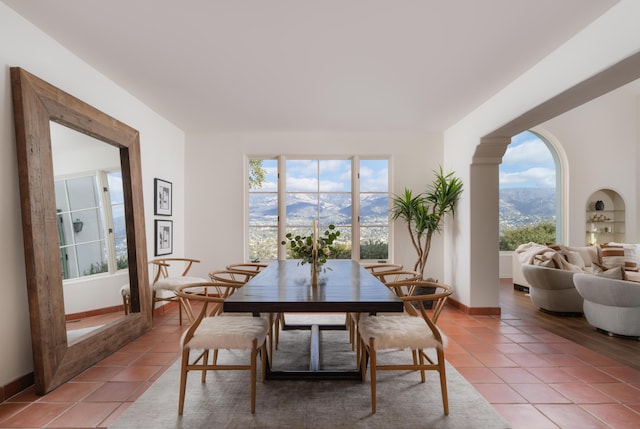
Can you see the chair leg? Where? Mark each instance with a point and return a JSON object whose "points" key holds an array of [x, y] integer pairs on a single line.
{"points": [[125, 304], [254, 354], [263, 352], [372, 362], [443, 381], [153, 304], [422, 371], [205, 361], [183, 380]]}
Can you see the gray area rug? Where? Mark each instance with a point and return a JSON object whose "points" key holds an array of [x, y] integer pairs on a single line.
{"points": [[224, 402]]}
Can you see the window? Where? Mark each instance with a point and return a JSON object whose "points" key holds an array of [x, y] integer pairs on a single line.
{"points": [[350, 193], [529, 208], [91, 226]]}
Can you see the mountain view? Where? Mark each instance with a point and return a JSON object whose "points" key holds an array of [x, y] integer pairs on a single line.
{"points": [[526, 206]]}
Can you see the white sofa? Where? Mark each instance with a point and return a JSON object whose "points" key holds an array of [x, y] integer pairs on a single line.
{"points": [[525, 253], [610, 305]]}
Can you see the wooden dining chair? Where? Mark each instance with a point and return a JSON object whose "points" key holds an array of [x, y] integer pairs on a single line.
{"points": [[388, 276], [416, 331], [212, 332], [165, 281], [240, 277]]}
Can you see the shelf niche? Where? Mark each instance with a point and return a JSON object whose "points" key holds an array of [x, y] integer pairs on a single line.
{"points": [[605, 225]]}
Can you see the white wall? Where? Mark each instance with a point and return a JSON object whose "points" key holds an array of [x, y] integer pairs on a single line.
{"points": [[216, 176], [610, 39], [162, 150], [600, 139]]}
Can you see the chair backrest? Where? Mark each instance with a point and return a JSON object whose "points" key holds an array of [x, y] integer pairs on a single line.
{"points": [[203, 293], [161, 266], [252, 267], [232, 276], [382, 267], [417, 304], [391, 277]]}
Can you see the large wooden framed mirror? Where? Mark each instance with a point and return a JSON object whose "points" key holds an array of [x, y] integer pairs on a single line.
{"points": [[37, 104]]}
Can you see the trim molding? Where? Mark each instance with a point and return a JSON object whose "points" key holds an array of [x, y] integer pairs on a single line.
{"points": [[474, 311], [16, 386]]}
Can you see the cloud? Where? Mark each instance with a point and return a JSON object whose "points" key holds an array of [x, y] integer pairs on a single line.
{"points": [[530, 152], [540, 177], [374, 180], [302, 184]]}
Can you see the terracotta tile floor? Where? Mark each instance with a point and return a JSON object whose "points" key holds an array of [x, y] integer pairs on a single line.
{"points": [[533, 378]]}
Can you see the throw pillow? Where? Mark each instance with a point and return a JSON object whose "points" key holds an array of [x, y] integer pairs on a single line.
{"points": [[630, 255], [590, 254], [612, 256], [574, 258], [615, 273]]}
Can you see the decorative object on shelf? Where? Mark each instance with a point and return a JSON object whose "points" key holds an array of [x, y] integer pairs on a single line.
{"points": [[599, 205], [599, 217], [314, 249]]}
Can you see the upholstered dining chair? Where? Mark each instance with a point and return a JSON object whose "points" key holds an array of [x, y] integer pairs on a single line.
{"points": [[210, 331], [240, 277], [125, 291], [253, 268], [416, 331], [165, 281], [388, 276]]}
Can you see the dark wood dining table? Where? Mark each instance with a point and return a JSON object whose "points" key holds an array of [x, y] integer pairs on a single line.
{"points": [[285, 287]]}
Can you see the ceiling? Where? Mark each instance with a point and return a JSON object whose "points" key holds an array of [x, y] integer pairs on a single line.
{"points": [[304, 65]]}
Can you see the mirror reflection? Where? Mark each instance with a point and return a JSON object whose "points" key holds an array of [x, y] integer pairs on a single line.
{"points": [[91, 229]]}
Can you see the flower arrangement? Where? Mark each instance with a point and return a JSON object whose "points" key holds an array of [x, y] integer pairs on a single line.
{"points": [[303, 247]]}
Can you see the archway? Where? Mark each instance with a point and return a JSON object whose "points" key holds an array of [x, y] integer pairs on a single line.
{"points": [[483, 202]]}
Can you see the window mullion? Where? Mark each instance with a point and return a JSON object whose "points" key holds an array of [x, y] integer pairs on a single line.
{"points": [[355, 208]]}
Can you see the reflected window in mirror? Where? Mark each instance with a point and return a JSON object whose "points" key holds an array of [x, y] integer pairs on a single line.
{"points": [[91, 225]]}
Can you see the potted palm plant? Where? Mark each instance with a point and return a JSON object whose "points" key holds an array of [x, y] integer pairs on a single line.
{"points": [[424, 213]]}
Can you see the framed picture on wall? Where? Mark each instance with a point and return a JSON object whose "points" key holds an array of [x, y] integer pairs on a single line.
{"points": [[163, 197], [164, 237]]}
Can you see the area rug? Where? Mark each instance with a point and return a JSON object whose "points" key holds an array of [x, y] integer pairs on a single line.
{"points": [[224, 402]]}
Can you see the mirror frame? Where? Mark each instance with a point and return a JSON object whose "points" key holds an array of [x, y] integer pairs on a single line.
{"points": [[35, 104]]}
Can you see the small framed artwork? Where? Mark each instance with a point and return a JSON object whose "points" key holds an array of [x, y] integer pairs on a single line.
{"points": [[164, 195], [164, 237]]}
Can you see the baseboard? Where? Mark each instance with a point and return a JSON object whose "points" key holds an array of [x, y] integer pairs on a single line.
{"points": [[16, 386], [96, 312], [474, 311]]}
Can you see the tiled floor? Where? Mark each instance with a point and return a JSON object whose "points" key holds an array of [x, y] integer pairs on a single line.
{"points": [[534, 378]]}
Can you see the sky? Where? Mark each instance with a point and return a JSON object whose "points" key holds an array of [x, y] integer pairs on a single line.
{"points": [[335, 175], [527, 163]]}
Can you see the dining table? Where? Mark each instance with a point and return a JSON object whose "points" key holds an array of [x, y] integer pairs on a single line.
{"points": [[344, 286]]}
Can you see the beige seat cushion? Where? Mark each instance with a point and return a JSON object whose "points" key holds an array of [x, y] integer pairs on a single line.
{"points": [[398, 332], [171, 283], [228, 333], [125, 290]]}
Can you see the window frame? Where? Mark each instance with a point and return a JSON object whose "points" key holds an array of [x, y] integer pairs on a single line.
{"points": [[105, 209], [355, 200]]}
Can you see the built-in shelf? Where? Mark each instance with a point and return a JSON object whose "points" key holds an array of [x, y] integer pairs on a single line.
{"points": [[608, 224]]}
